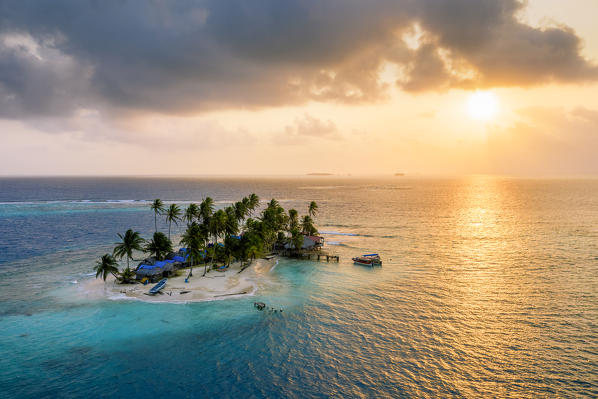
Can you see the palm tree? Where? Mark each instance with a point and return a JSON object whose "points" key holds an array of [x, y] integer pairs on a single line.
{"points": [[293, 219], [240, 213], [254, 202], [246, 202], [273, 204], [126, 276], [158, 207], [191, 213], [231, 227], [307, 226], [251, 252], [173, 214], [218, 224], [105, 266], [193, 239], [313, 209], [206, 209], [159, 245], [296, 239], [130, 242]]}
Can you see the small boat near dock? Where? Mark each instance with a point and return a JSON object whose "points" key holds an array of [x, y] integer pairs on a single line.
{"points": [[368, 260], [156, 288]]}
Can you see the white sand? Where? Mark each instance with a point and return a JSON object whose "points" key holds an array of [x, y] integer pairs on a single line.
{"points": [[213, 286]]}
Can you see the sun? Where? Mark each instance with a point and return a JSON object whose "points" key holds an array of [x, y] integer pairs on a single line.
{"points": [[482, 105]]}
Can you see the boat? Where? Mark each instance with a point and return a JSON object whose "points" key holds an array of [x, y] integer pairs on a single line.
{"points": [[368, 260], [156, 288]]}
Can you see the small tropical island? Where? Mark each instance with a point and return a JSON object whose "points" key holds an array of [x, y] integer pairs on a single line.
{"points": [[223, 253]]}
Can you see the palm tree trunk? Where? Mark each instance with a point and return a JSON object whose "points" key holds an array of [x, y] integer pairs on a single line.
{"points": [[156, 221], [169, 224]]}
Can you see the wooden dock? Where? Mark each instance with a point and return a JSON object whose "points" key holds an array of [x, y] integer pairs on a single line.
{"points": [[312, 255]]}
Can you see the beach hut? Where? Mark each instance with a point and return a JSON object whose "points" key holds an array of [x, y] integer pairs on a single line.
{"points": [[309, 243], [159, 269], [150, 271]]}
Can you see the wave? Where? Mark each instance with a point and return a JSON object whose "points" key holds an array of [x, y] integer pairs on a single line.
{"points": [[275, 264], [340, 244], [337, 233], [106, 201], [77, 201]]}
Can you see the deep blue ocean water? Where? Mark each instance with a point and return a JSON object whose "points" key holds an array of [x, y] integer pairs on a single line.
{"points": [[489, 288]]}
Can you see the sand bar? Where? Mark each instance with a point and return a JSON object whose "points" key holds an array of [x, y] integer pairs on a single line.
{"points": [[215, 285]]}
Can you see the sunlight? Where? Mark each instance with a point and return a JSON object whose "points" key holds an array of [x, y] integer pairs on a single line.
{"points": [[482, 105]]}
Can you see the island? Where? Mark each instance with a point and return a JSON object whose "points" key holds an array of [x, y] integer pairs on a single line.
{"points": [[223, 253], [319, 174]]}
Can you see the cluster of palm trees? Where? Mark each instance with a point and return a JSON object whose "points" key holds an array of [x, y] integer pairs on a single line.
{"points": [[205, 226]]}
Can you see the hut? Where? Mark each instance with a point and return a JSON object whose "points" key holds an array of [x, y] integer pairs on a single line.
{"points": [[155, 271], [309, 243]]}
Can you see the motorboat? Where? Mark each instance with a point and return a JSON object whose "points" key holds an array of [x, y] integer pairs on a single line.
{"points": [[368, 260]]}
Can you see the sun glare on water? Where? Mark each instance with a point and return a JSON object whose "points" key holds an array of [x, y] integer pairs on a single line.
{"points": [[482, 105]]}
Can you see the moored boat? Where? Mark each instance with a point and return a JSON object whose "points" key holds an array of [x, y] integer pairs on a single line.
{"points": [[156, 288], [368, 260]]}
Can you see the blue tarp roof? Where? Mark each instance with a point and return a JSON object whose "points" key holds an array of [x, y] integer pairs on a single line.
{"points": [[371, 255], [159, 263]]}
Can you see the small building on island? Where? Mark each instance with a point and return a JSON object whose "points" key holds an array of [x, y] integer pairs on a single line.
{"points": [[154, 269], [309, 243]]}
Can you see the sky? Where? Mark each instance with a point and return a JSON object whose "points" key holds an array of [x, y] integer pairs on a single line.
{"points": [[271, 87]]}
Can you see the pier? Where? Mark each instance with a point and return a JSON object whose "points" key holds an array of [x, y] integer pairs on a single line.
{"points": [[311, 255]]}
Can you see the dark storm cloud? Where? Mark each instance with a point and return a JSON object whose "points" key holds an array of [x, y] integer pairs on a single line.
{"points": [[174, 57]]}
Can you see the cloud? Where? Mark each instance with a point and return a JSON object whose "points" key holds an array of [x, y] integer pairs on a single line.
{"points": [[306, 128], [38, 79], [187, 57]]}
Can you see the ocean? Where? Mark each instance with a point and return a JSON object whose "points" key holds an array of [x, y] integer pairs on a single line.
{"points": [[489, 288]]}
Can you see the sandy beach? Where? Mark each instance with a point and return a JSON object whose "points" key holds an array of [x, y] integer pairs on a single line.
{"points": [[214, 285]]}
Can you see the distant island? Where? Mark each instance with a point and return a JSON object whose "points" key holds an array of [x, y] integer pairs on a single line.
{"points": [[399, 174], [319, 174]]}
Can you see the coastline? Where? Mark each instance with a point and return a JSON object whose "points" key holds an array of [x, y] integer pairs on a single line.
{"points": [[215, 285]]}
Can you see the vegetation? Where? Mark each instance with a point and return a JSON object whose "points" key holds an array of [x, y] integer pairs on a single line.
{"points": [[127, 276], [105, 266], [215, 235], [194, 240], [313, 209], [173, 214], [130, 242], [158, 207], [159, 246]]}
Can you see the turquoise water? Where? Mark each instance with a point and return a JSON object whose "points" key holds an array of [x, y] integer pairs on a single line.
{"points": [[489, 288]]}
